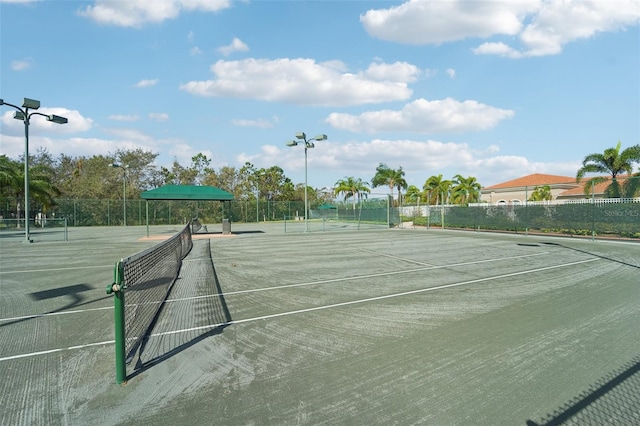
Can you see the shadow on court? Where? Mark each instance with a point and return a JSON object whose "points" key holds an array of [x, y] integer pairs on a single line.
{"points": [[194, 310], [593, 254], [72, 291], [614, 399]]}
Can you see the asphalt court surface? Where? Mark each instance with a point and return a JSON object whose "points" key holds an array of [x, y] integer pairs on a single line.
{"points": [[403, 326]]}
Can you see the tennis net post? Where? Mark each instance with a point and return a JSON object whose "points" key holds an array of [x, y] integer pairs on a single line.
{"points": [[117, 288]]}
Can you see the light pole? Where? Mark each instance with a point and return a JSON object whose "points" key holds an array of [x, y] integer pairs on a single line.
{"points": [[124, 168], [25, 115], [307, 144]]}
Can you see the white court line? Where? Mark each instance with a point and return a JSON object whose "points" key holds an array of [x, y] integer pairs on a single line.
{"points": [[317, 308], [372, 299], [334, 280], [359, 277], [394, 257], [48, 314], [52, 351], [29, 271]]}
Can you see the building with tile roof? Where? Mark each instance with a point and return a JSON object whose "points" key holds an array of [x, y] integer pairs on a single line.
{"points": [[563, 188]]}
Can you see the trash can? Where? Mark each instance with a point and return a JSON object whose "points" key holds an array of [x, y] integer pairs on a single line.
{"points": [[226, 226]]}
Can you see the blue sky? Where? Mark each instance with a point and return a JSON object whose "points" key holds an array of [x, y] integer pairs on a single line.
{"points": [[489, 89]]}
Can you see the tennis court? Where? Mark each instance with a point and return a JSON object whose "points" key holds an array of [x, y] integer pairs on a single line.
{"points": [[387, 326]]}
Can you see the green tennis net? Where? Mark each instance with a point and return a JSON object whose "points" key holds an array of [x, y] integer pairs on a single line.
{"points": [[147, 278]]}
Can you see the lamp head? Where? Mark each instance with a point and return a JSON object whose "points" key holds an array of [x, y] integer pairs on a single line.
{"points": [[19, 115], [30, 103], [320, 138], [292, 143], [310, 145], [1, 101], [301, 135], [57, 119]]}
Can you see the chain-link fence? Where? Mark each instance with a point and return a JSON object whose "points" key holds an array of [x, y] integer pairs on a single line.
{"points": [[105, 212], [96, 212], [591, 219], [568, 209], [594, 207], [374, 212]]}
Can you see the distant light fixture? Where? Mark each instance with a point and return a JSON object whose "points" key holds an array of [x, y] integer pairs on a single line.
{"points": [[307, 144], [124, 168]]}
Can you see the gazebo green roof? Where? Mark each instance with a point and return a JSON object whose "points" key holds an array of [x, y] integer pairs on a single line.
{"points": [[327, 207], [187, 192]]}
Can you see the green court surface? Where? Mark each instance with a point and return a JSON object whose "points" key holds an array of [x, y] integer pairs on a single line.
{"points": [[377, 326]]}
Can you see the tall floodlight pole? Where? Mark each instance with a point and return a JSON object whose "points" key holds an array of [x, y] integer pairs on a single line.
{"points": [[301, 136], [24, 115], [124, 168]]}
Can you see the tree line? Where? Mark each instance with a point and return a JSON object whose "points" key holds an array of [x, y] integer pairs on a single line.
{"points": [[95, 177]]}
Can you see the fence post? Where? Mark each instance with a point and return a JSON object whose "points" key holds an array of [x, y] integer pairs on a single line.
{"points": [[593, 212], [526, 210]]}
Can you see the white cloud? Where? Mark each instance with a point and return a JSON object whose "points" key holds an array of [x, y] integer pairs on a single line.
{"points": [[123, 117], [159, 116], [419, 160], [130, 135], [236, 45], [542, 27], [561, 22], [147, 83], [191, 35], [501, 168], [430, 72], [423, 116], [184, 153], [136, 13], [451, 72], [433, 22], [399, 71], [51, 136], [499, 49], [21, 65], [39, 125], [261, 123], [195, 50], [13, 146], [303, 82]]}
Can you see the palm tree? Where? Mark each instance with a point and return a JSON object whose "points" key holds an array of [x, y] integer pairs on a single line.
{"points": [[413, 194], [41, 188], [351, 187], [437, 187], [465, 190], [391, 177], [541, 193], [8, 173], [612, 162]]}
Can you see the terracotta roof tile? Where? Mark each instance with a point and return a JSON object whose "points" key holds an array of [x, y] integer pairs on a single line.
{"points": [[533, 180], [598, 189]]}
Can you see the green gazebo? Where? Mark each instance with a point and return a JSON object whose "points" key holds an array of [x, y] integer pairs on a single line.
{"points": [[186, 193]]}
